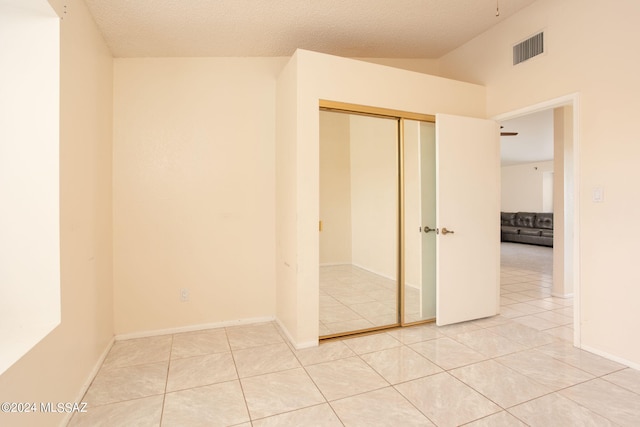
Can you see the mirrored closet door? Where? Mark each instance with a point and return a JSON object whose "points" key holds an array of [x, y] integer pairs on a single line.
{"points": [[377, 222], [359, 181], [419, 228]]}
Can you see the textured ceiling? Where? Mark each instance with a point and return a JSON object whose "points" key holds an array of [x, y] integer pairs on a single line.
{"points": [[351, 28]]}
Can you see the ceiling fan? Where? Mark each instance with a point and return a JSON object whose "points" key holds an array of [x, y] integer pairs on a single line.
{"points": [[507, 133]]}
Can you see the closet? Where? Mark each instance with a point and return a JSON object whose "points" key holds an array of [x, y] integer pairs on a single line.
{"points": [[376, 175], [378, 233], [465, 169]]}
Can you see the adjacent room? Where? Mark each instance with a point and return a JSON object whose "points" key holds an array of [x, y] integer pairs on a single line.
{"points": [[529, 248]]}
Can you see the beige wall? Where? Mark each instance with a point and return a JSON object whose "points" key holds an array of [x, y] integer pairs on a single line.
{"points": [[374, 194], [287, 308], [523, 187], [335, 189], [420, 65], [358, 192], [56, 369], [194, 187], [589, 51]]}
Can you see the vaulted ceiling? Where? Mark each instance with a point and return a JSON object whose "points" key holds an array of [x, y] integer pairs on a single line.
{"points": [[351, 28]]}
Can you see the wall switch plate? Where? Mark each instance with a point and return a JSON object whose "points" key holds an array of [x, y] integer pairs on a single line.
{"points": [[184, 294]]}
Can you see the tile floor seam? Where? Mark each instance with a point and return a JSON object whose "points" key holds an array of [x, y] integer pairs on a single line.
{"points": [[292, 411], [164, 396], [541, 384], [316, 384], [480, 393], [489, 357], [590, 409], [516, 416], [413, 404], [335, 413], [577, 367], [235, 367], [506, 408], [360, 393], [602, 377]]}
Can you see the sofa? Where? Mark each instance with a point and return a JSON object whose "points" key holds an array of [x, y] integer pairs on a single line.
{"points": [[527, 227]]}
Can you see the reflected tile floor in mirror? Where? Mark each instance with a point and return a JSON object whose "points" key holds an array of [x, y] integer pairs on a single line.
{"points": [[352, 299], [515, 369]]}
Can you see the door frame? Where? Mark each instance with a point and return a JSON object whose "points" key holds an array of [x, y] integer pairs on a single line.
{"points": [[572, 247]]}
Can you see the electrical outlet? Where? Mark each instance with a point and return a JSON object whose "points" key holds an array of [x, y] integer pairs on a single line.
{"points": [[598, 194], [184, 294]]}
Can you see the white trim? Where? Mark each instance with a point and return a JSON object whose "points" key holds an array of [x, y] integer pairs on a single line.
{"points": [[562, 295], [368, 270], [193, 328], [90, 378], [395, 279], [612, 357], [293, 342], [308, 344], [572, 99]]}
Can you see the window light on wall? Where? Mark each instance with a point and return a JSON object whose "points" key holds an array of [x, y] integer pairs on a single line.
{"points": [[29, 176]]}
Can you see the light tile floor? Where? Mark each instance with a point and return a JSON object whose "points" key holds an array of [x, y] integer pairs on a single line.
{"points": [[515, 369]]}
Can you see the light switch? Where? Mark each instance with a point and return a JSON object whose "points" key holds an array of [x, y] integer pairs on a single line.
{"points": [[598, 194]]}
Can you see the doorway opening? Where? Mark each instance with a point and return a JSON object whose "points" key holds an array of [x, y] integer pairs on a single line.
{"points": [[544, 294]]}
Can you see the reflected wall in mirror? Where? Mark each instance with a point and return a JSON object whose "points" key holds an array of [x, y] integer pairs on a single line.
{"points": [[359, 222], [420, 221]]}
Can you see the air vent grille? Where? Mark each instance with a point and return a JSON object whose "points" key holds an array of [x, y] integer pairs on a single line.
{"points": [[533, 46]]}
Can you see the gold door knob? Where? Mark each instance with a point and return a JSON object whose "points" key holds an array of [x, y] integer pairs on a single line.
{"points": [[428, 229], [445, 231]]}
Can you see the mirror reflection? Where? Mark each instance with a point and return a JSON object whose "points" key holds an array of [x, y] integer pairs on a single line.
{"points": [[359, 222], [420, 221]]}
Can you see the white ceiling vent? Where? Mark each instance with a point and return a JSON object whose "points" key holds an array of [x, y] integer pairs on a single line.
{"points": [[533, 46]]}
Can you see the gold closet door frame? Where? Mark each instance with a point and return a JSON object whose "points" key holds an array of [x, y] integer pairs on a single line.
{"points": [[388, 113], [400, 116]]}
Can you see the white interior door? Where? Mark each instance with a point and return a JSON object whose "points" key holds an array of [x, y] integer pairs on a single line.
{"points": [[468, 218]]}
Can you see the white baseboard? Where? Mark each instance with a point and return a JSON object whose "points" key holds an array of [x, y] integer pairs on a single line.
{"points": [[193, 328], [411, 285], [553, 294], [297, 346], [611, 357], [90, 378], [308, 344], [377, 273]]}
